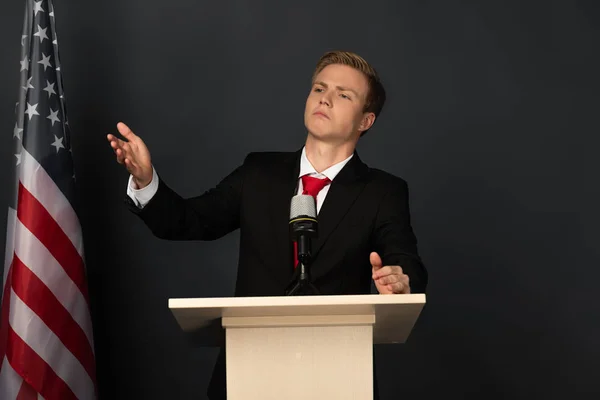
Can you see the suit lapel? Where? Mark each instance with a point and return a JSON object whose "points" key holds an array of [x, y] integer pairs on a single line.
{"points": [[343, 192]]}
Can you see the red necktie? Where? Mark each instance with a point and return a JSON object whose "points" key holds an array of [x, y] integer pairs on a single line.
{"points": [[311, 186]]}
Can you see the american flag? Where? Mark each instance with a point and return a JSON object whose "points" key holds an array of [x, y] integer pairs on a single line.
{"points": [[46, 343]]}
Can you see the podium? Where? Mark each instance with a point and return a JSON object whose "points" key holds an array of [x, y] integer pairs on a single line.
{"points": [[299, 347]]}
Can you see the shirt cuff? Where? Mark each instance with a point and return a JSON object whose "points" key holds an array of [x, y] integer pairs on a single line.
{"points": [[141, 197]]}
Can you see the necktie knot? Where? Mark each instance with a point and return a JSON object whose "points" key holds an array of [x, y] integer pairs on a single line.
{"points": [[312, 185]]}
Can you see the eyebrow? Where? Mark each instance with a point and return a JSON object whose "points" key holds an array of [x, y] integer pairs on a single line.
{"points": [[343, 89]]}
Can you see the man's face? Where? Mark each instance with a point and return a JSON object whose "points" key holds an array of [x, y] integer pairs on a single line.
{"points": [[334, 107]]}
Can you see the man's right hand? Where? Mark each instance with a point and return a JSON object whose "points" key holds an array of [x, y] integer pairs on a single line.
{"points": [[134, 154]]}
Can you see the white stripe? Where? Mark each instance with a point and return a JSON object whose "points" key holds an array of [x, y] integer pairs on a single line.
{"points": [[10, 382], [32, 330], [42, 187], [8, 252], [40, 397], [41, 262]]}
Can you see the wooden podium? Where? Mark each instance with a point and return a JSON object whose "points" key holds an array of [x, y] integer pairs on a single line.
{"points": [[300, 347]]}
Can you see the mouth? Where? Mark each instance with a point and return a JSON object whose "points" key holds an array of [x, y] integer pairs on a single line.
{"points": [[321, 114]]}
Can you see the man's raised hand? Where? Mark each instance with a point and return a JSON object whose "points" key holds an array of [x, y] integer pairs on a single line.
{"points": [[133, 153]]}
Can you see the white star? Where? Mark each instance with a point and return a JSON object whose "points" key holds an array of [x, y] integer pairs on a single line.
{"points": [[17, 132], [41, 33], [51, 13], [38, 7], [53, 116], [29, 85], [24, 64], [49, 88], [18, 158], [58, 143], [45, 61], [31, 110], [58, 69], [23, 40], [55, 41]]}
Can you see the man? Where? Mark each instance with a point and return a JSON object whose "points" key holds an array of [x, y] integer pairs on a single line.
{"points": [[365, 234]]}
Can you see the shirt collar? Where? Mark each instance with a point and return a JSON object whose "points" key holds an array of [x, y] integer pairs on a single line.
{"points": [[306, 167]]}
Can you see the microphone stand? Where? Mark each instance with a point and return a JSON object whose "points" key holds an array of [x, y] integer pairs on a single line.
{"points": [[303, 285]]}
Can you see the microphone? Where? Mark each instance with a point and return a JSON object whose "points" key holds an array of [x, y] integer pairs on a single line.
{"points": [[303, 228], [303, 224]]}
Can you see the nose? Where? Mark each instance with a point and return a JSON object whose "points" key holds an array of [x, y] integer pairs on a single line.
{"points": [[325, 98], [324, 101]]}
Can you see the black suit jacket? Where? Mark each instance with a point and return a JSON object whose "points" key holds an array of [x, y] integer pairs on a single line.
{"points": [[365, 210]]}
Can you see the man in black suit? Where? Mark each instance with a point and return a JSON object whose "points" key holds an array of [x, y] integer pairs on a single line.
{"points": [[365, 234]]}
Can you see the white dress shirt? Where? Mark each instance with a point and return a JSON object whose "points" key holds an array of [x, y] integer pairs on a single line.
{"points": [[306, 168], [141, 197]]}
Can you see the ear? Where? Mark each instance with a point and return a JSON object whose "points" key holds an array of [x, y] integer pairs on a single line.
{"points": [[367, 121]]}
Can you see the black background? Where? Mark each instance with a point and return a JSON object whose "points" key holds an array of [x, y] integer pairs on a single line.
{"points": [[492, 118]]}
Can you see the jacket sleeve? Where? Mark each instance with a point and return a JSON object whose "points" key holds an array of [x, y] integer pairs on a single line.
{"points": [[209, 216], [394, 238]]}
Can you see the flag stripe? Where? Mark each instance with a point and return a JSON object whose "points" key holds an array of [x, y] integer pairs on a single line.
{"points": [[39, 260], [5, 313], [10, 381], [10, 236], [48, 348], [37, 181], [35, 370], [26, 392], [39, 222], [32, 291]]}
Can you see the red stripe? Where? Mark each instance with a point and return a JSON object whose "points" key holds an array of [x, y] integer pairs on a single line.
{"points": [[33, 292], [38, 220], [4, 313], [27, 363], [26, 392]]}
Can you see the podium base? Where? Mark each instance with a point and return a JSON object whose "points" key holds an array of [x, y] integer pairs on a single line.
{"points": [[330, 359]]}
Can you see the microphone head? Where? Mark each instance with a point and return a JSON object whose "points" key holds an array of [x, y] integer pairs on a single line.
{"points": [[303, 205]]}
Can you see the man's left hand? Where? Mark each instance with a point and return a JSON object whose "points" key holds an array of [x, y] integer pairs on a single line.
{"points": [[389, 279]]}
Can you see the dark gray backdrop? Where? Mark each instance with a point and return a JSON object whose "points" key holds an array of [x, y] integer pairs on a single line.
{"points": [[491, 118]]}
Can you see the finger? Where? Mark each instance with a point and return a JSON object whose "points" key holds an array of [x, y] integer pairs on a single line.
{"points": [[383, 271], [397, 287], [128, 152], [125, 131], [388, 280], [375, 260], [126, 149], [388, 270], [120, 156], [116, 143]]}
